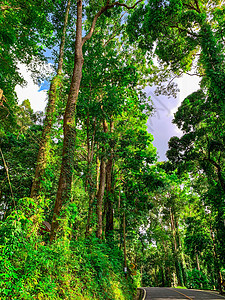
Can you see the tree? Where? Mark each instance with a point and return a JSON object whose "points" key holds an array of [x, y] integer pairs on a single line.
{"points": [[18, 153], [23, 28], [187, 36], [49, 118], [200, 152], [69, 126]]}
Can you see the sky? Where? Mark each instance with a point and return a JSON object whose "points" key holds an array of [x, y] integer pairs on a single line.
{"points": [[159, 125]]}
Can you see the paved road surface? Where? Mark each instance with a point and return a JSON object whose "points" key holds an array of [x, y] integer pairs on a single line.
{"points": [[156, 293]]}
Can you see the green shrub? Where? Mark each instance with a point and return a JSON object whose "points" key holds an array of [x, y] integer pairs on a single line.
{"points": [[197, 280], [31, 268]]}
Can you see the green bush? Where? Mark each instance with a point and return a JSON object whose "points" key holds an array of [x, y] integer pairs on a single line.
{"points": [[31, 268], [197, 280]]}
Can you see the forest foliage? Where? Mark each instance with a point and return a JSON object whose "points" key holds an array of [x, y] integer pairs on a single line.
{"points": [[86, 210]]}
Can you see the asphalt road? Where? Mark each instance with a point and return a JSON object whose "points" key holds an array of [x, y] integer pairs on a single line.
{"points": [[156, 293]]}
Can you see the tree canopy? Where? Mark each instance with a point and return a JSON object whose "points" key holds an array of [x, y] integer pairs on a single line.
{"points": [[86, 210]]}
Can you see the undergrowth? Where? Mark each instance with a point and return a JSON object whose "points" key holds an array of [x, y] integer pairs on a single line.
{"points": [[32, 268]]}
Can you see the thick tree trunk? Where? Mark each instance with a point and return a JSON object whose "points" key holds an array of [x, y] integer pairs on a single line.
{"points": [[44, 143], [69, 127]]}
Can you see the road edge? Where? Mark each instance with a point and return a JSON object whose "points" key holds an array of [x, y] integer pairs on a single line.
{"points": [[143, 293]]}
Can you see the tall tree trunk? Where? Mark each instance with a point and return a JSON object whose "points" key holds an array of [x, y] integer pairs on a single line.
{"points": [[55, 83], [90, 211], [176, 254], [109, 202], [109, 192], [216, 262], [100, 196], [97, 171], [69, 124], [101, 188], [162, 276], [197, 261], [69, 127], [89, 184], [124, 245], [181, 257]]}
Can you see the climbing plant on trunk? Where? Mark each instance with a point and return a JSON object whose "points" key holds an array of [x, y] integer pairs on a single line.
{"points": [[49, 118], [69, 124]]}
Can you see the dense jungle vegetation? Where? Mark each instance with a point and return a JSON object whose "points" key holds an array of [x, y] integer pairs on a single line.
{"points": [[86, 210]]}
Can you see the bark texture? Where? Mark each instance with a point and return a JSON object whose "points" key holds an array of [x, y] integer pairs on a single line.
{"points": [[109, 201], [100, 196], [69, 127], [65, 180]]}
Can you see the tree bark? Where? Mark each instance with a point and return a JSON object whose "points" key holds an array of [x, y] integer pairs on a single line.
{"points": [[43, 149], [89, 184], [124, 245], [197, 261], [176, 257], [109, 202], [216, 262], [101, 188], [100, 196], [69, 127], [109, 193]]}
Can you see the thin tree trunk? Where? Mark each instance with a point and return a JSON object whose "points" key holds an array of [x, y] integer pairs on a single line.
{"points": [[197, 261], [90, 211], [109, 203], [100, 196], [119, 201], [109, 192], [216, 263], [181, 257], [163, 276], [97, 171], [43, 149], [89, 185], [177, 263], [124, 245], [101, 188]]}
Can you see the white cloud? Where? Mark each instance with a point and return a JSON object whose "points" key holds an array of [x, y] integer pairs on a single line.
{"points": [[187, 85], [37, 99]]}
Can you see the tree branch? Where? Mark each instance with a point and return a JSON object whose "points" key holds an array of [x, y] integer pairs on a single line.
{"points": [[195, 74], [219, 172], [3, 8], [185, 30], [115, 33], [197, 5], [191, 7], [124, 5], [7, 173], [100, 12]]}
